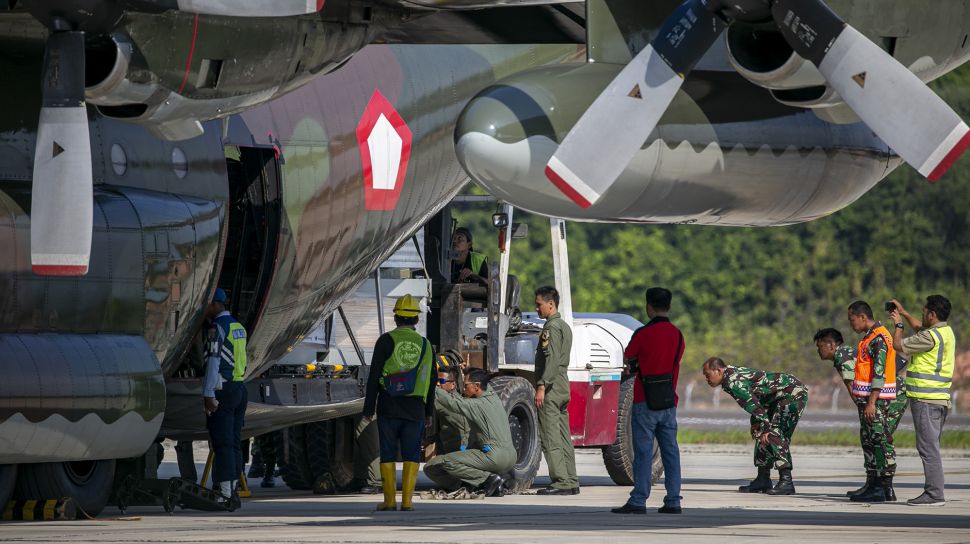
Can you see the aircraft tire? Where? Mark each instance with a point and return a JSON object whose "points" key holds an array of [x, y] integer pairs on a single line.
{"points": [[8, 482], [87, 482], [618, 456], [291, 457], [333, 470], [518, 396]]}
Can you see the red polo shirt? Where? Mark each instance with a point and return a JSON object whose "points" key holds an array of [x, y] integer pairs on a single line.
{"points": [[657, 347]]}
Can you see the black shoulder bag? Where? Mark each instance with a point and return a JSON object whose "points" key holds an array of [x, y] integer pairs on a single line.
{"points": [[659, 388]]}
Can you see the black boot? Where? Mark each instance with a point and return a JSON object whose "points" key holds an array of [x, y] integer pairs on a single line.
{"points": [[887, 485], [870, 475], [268, 480], [760, 484], [784, 486], [875, 493], [256, 468], [492, 485]]}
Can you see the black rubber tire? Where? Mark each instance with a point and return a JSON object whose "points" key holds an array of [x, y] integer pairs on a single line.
{"points": [[518, 396], [332, 470], [618, 456], [291, 457], [342, 460], [8, 482], [87, 482]]}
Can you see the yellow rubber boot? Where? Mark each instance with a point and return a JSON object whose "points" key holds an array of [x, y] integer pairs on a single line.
{"points": [[389, 481], [408, 480]]}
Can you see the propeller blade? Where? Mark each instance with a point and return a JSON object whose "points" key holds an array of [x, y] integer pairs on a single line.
{"points": [[905, 113], [61, 195], [607, 136], [237, 8]]}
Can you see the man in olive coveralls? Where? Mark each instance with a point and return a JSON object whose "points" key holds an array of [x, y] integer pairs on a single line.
{"points": [[452, 428], [490, 451], [552, 395]]}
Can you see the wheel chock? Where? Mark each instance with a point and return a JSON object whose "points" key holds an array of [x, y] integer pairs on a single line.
{"points": [[35, 510], [243, 490]]}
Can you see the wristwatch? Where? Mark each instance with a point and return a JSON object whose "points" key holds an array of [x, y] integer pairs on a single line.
{"points": [[899, 325]]}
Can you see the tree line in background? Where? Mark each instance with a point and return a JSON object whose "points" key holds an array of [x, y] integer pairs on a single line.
{"points": [[756, 296]]}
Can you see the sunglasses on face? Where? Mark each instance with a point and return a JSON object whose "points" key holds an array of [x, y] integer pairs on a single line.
{"points": [[443, 381]]}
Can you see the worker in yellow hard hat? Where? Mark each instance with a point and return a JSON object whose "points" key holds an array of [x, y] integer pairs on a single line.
{"points": [[401, 388]]}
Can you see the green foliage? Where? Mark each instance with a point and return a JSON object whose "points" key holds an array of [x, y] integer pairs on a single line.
{"points": [[757, 295]]}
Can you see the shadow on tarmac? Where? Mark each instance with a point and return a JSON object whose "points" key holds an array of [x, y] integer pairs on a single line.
{"points": [[807, 483], [564, 518], [497, 514]]}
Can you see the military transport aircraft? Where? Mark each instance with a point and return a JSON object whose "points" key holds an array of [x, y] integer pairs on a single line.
{"points": [[277, 157], [152, 150]]}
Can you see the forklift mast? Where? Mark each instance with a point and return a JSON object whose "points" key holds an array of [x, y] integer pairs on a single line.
{"points": [[476, 321]]}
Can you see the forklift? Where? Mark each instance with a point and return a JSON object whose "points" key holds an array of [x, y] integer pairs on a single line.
{"points": [[483, 326]]}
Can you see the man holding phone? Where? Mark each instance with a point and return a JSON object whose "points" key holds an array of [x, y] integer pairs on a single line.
{"points": [[929, 378]]}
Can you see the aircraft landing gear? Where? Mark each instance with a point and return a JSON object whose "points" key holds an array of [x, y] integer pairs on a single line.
{"points": [[8, 482], [87, 482]]}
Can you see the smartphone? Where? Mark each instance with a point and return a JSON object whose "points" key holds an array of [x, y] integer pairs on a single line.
{"points": [[890, 306]]}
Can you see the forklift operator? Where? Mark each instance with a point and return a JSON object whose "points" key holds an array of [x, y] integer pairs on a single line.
{"points": [[467, 266]]}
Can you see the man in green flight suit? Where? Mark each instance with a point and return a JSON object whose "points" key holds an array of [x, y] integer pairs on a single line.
{"points": [[831, 347], [775, 402], [552, 395], [451, 427], [490, 452]]}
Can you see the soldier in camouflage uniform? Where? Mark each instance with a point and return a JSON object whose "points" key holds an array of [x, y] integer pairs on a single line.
{"points": [[830, 347], [775, 402], [875, 366]]}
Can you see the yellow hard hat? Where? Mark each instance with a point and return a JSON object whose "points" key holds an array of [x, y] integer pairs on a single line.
{"points": [[407, 306]]}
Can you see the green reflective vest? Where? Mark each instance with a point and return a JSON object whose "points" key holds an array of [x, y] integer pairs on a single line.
{"points": [[408, 348], [930, 373], [232, 348], [476, 261]]}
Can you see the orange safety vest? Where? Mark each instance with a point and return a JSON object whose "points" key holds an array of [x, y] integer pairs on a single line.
{"points": [[862, 385]]}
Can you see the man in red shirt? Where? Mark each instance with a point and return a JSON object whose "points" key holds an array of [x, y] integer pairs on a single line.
{"points": [[655, 351]]}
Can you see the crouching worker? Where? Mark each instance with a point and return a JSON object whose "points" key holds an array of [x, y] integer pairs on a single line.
{"points": [[775, 402], [452, 429], [490, 452], [400, 386]]}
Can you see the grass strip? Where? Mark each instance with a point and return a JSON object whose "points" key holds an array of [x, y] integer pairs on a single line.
{"points": [[902, 439]]}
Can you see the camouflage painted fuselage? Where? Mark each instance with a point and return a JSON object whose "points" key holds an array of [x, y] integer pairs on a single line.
{"points": [[161, 230]]}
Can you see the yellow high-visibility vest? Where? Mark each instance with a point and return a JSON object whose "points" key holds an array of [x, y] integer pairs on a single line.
{"points": [[930, 373]]}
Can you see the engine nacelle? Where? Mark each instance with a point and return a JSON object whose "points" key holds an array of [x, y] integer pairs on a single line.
{"points": [[137, 75], [763, 57], [726, 156], [149, 104]]}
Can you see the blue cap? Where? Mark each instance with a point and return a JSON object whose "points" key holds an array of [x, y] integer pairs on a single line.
{"points": [[220, 296]]}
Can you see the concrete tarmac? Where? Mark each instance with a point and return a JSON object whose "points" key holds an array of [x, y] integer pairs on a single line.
{"points": [[713, 510]]}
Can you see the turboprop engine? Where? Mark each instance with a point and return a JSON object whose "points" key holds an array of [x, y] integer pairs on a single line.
{"points": [[724, 153]]}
